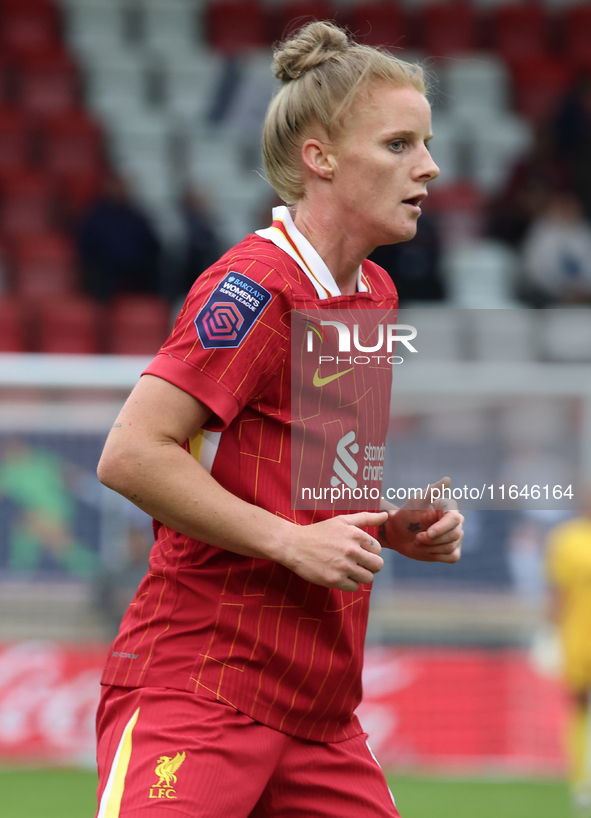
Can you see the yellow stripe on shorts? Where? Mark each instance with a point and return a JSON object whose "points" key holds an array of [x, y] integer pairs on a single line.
{"points": [[113, 792]]}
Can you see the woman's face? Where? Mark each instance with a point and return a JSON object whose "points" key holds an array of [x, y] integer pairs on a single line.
{"points": [[383, 164]]}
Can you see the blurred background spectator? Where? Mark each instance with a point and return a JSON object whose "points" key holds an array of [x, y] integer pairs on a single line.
{"points": [[415, 265], [557, 253], [572, 137], [200, 245], [117, 245]]}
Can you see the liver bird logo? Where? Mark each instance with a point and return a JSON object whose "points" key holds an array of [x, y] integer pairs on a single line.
{"points": [[167, 767]]}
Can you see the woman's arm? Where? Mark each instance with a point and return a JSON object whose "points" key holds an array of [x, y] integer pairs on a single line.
{"points": [[144, 460]]}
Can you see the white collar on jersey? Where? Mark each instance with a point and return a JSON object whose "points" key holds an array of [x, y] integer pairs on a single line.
{"points": [[286, 236]]}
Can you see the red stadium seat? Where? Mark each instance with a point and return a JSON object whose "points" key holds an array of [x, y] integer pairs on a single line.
{"points": [[29, 27], [14, 139], [72, 142], [379, 24], [297, 13], [26, 202], [449, 28], [282, 20], [539, 85], [12, 330], [520, 31], [459, 208], [78, 189], [578, 35], [461, 195], [8, 79], [49, 83], [44, 266], [68, 324], [33, 6], [139, 324], [234, 25]]}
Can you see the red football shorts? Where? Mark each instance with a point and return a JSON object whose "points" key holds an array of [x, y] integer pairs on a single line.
{"points": [[164, 752]]}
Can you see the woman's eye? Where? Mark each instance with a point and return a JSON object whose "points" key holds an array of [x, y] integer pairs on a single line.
{"points": [[397, 145]]}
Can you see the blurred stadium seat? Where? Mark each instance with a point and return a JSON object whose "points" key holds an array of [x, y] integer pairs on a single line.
{"points": [[447, 149], [72, 142], [379, 24], [116, 80], [29, 26], [139, 324], [141, 149], [94, 25], [295, 13], [480, 275], [539, 84], [449, 28], [77, 190], [15, 133], [171, 27], [69, 324], [475, 86], [235, 25], [44, 265], [48, 83], [578, 34], [27, 202], [12, 335], [520, 31], [498, 142], [189, 82]]}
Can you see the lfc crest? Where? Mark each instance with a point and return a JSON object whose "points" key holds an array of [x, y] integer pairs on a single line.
{"points": [[166, 771]]}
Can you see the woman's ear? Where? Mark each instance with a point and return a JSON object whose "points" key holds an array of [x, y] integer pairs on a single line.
{"points": [[318, 158]]}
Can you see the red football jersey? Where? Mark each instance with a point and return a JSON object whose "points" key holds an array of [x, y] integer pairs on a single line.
{"points": [[246, 631]]}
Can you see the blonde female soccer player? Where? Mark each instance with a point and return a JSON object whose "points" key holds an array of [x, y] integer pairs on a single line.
{"points": [[231, 688]]}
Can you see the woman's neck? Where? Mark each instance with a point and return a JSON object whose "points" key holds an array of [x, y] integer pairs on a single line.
{"points": [[333, 243]]}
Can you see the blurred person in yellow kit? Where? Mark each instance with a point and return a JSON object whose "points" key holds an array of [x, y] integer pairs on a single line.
{"points": [[569, 572]]}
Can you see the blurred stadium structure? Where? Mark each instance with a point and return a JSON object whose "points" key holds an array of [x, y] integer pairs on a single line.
{"points": [[170, 95]]}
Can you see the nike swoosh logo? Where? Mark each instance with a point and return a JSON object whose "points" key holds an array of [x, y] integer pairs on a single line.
{"points": [[318, 381]]}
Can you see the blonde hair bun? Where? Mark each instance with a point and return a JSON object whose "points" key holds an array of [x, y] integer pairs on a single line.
{"points": [[312, 46]]}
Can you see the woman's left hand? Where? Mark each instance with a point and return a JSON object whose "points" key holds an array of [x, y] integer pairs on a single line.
{"points": [[425, 530]]}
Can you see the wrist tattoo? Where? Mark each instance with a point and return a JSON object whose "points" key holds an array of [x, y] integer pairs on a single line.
{"points": [[414, 527]]}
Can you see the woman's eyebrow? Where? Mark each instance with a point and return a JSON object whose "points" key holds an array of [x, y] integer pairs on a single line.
{"points": [[406, 135]]}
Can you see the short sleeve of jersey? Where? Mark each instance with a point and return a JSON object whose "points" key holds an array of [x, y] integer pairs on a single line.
{"points": [[230, 337]]}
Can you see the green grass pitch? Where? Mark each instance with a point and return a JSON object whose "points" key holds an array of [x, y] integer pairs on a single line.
{"points": [[418, 797], [71, 794]]}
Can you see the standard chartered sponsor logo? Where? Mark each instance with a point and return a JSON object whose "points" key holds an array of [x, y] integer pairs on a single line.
{"points": [[374, 458], [345, 466]]}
